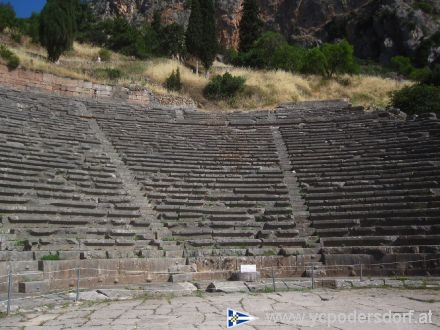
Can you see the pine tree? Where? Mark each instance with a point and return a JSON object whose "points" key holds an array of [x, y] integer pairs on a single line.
{"points": [[57, 27], [250, 25], [209, 36]]}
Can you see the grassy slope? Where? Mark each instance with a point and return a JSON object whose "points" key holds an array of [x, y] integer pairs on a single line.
{"points": [[264, 89]]}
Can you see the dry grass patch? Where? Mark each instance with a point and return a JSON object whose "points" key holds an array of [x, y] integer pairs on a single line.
{"points": [[263, 89], [158, 70], [268, 88], [361, 90]]}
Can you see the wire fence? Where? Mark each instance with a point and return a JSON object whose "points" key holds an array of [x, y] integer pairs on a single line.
{"points": [[74, 280]]}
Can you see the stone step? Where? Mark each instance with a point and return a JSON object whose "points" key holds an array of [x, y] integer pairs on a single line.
{"points": [[42, 286], [16, 256], [358, 241]]}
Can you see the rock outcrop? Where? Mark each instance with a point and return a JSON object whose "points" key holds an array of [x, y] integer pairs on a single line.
{"points": [[378, 29]]}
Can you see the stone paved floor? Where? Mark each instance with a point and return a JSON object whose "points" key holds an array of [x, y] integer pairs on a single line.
{"points": [[208, 311]]}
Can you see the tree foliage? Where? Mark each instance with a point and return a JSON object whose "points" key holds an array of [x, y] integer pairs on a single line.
{"points": [[7, 16], [250, 25], [201, 38], [173, 82], [172, 40], [194, 31], [224, 87], [125, 38], [339, 58], [85, 18], [209, 36], [417, 99], [272, 51], [57, 27], [12, 60], [31, 26], [433, 77]]}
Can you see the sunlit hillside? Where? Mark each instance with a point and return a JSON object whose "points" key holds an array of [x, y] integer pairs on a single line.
{"points": [[263, 89]]}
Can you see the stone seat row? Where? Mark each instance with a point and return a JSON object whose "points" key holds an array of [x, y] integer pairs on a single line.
{"points": [[370, 185], [56, 179], [194, 175]]}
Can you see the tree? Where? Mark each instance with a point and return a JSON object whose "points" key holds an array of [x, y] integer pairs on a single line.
{"points": [[85, 18], [209, 35], [250, 25], [156, 24], [31, 27], [57, 27], [314, 62], [261, 54], [201, 38], [194, 31], [172, 39], [339, 58], [7, 16]]}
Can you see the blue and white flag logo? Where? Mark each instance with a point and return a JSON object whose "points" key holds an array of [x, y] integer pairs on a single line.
{"points": [[236, 318]]}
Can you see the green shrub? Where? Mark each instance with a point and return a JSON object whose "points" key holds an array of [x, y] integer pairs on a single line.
{"points": [[402, 65], [113, 73], [420, 74], [173, 82], [224, 87], [424, 6], [16, 36], [107, 73], [289, 58], [314, 62], [433, 78], [339, 58], [230, 56], [105, 55], [417, 99], [51, 257], [20, 242], [12, 60]]}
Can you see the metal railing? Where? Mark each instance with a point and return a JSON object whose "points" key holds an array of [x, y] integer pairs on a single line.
{"points": [[271, 273]]}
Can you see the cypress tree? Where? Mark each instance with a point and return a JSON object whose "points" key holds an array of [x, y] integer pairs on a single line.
{"points": [[57, 27], [201, 39], [194, 32], [250, 25], [209, 36]]}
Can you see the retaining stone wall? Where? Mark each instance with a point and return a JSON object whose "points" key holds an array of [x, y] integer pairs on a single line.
{"points": [[25, 79]]}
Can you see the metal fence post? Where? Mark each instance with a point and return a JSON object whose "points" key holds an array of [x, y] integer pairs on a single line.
{"points": [[78, 274], [8, 307], [273, 281], [313, 277], [361, 279], [424, 264]]}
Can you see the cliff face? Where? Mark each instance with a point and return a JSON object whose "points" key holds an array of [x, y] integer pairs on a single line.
{"points": [[377, 28]]}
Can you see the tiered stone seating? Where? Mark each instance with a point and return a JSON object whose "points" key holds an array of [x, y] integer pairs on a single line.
{"points": [[59, 191], [370, 183], [89, 179], [215, 187]]}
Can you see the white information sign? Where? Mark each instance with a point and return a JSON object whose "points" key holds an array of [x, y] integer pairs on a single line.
{"points": [[248, 268]]}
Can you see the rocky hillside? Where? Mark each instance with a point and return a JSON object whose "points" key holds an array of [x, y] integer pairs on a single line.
{"points": [[379, 29]]}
